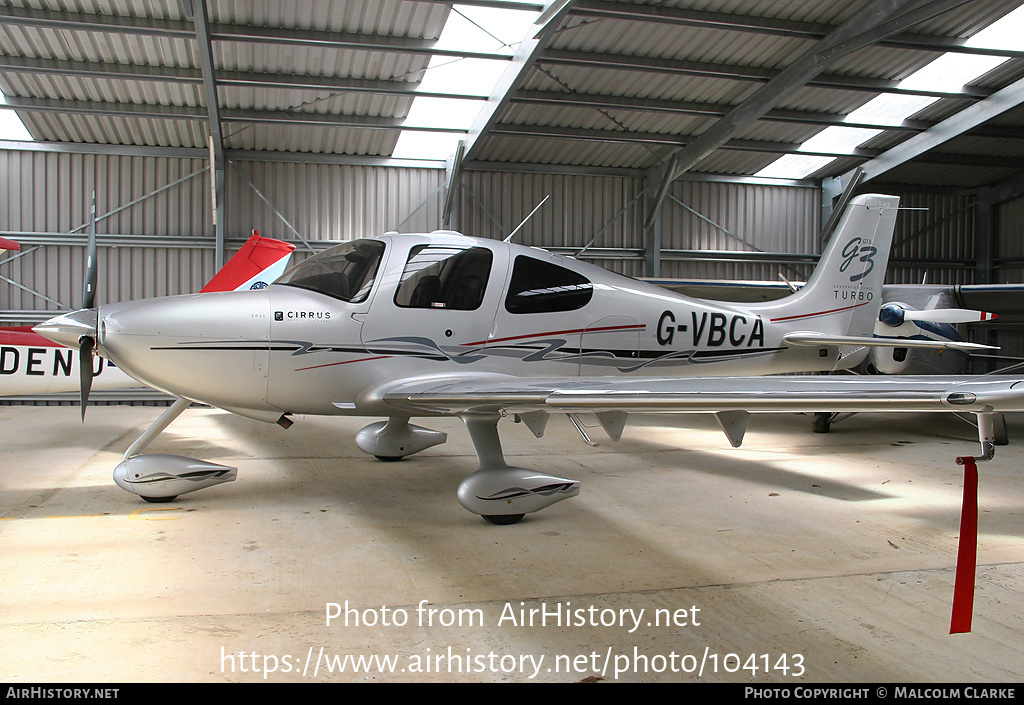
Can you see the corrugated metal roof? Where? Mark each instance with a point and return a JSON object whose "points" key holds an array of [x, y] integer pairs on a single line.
{"points": [[332, 77]]}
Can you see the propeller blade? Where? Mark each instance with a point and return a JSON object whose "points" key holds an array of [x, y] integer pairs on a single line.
{"points": [[894, 314], [85, 355], [89, 294], [949, 315]]}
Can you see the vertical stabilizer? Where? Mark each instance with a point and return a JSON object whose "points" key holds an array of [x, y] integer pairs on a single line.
{"points": [[843, 295]]}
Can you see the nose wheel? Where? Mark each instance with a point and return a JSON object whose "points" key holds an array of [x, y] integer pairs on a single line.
{"points": [[503, 519]]}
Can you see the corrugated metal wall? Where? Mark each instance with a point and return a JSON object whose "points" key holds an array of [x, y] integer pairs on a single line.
{"points": [[45, 201], [332, 202], [607, 213], [738, 218], [935, 237], [603, 212], [1009, 269], [1009, 254], [43, 195]]}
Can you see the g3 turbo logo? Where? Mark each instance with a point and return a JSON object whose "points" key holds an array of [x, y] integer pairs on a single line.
{"points": [[856, 246], [719, 327]]}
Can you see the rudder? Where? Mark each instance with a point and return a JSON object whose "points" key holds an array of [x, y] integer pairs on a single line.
{"points": [[844, 292]]}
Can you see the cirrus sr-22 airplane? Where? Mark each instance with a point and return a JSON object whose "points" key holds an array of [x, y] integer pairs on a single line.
{"points": [[440, 324]]}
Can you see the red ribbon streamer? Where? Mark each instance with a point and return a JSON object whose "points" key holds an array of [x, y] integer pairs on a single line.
{"points": [[967, 552]]}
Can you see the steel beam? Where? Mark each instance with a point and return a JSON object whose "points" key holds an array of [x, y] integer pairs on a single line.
{"points": [[196, 11], [525, 58], [657, 138], [179, 112], [685, 107], [177, 29], [873, 22], [773, 26], [757, 74], [189, 76]]}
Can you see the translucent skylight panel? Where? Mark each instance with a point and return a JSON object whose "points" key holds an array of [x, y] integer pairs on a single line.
{"points": [[485, 29], [838, 139], [794, 166], [1003, 34], [12, 128], [890, 109], [442, 112], [434, 146], [950, 72], [446, 74], [478, 29]]}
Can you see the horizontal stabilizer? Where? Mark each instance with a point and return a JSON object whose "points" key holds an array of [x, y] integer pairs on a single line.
{"points": [[813, 339]]}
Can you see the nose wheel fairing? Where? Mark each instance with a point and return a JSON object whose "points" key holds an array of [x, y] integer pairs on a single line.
{"points": [[161, 477]]}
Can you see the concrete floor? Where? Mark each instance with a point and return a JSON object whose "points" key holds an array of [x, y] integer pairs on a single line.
{"points": [[797, 558]]}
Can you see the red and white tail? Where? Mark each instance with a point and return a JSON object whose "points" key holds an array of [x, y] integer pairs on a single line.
{"points": [[260, 261], [6, 244]]}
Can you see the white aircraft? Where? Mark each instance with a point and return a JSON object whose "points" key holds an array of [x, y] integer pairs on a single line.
{"points": [[32, 364], [404, 326]]}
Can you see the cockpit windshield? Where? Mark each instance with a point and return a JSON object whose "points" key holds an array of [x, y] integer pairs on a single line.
{"points": [[343, 272]]}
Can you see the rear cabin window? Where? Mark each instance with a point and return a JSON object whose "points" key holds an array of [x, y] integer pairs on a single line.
{"points": [[543, 287], [444, 276]]}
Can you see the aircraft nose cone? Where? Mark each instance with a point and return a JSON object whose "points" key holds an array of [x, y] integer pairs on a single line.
{"points": [[68, 328]]}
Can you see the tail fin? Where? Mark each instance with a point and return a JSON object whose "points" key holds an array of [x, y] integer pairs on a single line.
{"points": [[260, 261], [843, 295]]}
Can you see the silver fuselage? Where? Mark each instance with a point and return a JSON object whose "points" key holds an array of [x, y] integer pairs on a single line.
{"points": [[289, 350]]}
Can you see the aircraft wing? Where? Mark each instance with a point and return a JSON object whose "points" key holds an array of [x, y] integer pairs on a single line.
{"points": [[805, 393]]}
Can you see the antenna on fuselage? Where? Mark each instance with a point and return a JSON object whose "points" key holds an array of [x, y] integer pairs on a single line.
{"points": [[527, 218]]}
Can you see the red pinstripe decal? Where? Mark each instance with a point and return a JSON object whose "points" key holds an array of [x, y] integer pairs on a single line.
{"points": [[819, 313]]}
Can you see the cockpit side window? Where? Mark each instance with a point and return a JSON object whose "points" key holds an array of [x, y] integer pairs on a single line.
{"points": [[343, 272], [543, 287], [444, 276]]}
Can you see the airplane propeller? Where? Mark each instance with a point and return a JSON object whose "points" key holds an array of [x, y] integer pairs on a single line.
{"points": [[87, 342], [85, 358], [896, 314]]}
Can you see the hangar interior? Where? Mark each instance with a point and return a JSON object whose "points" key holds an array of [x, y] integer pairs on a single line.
{"points": [[673, 140]]}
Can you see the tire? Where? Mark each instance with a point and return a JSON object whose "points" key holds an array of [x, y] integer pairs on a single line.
{"points": [[503, 519]]}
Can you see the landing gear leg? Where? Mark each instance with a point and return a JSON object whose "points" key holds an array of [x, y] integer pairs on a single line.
{"points": [[161, 478], [502, 494], [822, 422]]}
